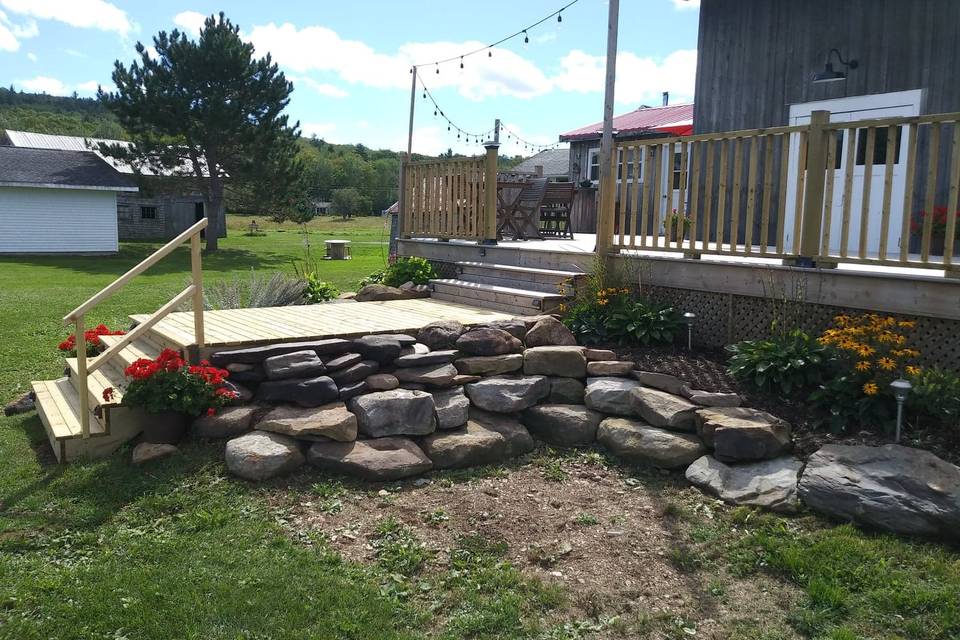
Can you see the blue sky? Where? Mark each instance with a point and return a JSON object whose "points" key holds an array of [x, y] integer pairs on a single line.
{"points": [[349, 60]]}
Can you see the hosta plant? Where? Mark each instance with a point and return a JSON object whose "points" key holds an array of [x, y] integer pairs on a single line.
{"points": [[782, 364]]}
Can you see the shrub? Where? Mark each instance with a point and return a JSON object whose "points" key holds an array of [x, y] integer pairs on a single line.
{"points": [[872, 352], [936, 395], [413, 269], [279, 290], [318, 290], [784, 364], [615, 314]]}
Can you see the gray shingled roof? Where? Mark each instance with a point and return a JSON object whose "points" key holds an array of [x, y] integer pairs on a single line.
{"points": [[52, 168], [555, 162]]}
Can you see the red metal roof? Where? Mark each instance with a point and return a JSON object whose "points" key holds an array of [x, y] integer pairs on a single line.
{"points": [[675, 118]]}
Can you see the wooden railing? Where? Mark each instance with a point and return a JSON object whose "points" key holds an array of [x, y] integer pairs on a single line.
{"points": [[450, 199], [821, 192], [194, 292]]}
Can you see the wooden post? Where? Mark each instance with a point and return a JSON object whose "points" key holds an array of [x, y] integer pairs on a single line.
{"points": [[608, 175], [490, 194], [84, 393], [818, 139], [196, 268], [401, 182]]}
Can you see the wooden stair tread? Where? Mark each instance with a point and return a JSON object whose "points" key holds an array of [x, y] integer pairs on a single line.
{"points": [[478, 286], [140, 348], [59, 407], [109, 375], [520, 270]]}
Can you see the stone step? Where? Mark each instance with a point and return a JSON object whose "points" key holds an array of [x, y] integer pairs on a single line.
{"points": [[517, 277], [489, 296]]}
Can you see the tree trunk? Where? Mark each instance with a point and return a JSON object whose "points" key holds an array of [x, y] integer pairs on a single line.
{"points": [[214, 213]]}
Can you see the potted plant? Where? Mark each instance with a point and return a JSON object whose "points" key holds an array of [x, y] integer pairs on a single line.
{"points": [[91, 338], [938, 229], [169, 392], [675, 223]]}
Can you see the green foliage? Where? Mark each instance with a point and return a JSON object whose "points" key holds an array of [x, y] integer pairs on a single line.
{"points": [[255, 290], [397, 549], [348, 201], [319, 290], [59, 115], [615, 314], [783, 364], [936, 396], [412, 269]]}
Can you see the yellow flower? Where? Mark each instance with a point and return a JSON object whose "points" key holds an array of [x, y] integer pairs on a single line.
{"points": [[866, 350], [912, 370], [563, 308], [910, 353], [887, 364], [602, 302], [863, 365], [907, 324], [842, 320], [870, 389]]}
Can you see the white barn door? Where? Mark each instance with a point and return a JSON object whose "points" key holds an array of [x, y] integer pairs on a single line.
{"points": [[881, 105]]}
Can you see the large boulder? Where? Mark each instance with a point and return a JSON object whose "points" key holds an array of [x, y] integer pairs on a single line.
{"points": [[148, 451], [452, 407], [435, 375], [490, 365], [255, 355], [353, 389], [771, 484], [594, 355], [344, 361], [331, 421], [711, 398], [639, 442], [892, 487], [563, 425], [227, 422], [662, 409], [600, 368], [378, 460], [485, 439], [296, 364], [514, 326], [312, 392], [379, 292], [393, 413], [739, 433], [445, 356], [382, 349], [355, 373], [662, 381], [382, 382], [555, 361], [488, 342], [442, 334], [260, 455], [566, 390], [549, 331], [611, 395], [508, 394]]}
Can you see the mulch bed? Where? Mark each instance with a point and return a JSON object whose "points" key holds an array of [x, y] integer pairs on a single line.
{"points": [[707, 370]]}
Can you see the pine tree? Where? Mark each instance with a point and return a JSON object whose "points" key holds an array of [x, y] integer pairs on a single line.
{"points": [[209, 109]]}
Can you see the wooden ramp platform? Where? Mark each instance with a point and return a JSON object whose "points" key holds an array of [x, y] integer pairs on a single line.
{"points": [[241, 327]]}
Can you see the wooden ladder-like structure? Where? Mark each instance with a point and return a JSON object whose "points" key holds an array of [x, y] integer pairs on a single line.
{"points": [[78, 419]]}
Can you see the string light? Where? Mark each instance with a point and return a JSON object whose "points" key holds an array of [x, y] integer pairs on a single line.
{"points": [[461, 62], [526, 38]]}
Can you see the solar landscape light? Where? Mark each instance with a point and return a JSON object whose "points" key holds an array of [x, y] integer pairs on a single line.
{"points": [[688, 319], [901, 389]]}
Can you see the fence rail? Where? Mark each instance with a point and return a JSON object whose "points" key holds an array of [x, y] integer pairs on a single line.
{"points": [[446, 199], [882, 191]]}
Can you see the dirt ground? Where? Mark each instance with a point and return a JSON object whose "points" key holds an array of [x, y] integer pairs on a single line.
{"points": [[611, 539]]}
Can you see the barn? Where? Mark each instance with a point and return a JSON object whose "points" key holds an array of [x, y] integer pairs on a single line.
{"points": [[56, 201]]}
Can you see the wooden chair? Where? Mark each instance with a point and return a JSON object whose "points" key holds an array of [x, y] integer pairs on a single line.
{"points": [[521, 217], [555, 210]]}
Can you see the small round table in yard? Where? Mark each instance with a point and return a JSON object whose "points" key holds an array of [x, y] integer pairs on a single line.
{"points": [[337, 250]]}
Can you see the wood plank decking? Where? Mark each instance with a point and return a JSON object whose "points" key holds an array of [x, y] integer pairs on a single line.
{"points": [[239, 327]]}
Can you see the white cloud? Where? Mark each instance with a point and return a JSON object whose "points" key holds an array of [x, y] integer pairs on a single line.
{"points": [[638, 79], [88, 87], [74, 53], [686, 4], [189, 21], [317, 48], [45, 84], [32, 57], [87, 14], [12, 33], [319, 129], [323, 88]]}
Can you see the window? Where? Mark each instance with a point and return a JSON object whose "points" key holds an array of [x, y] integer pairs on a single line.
{"points": [[594, 168], [148, 213], [879, 147], [677, 169]]}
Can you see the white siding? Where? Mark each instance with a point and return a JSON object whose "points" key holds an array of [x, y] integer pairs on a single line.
{"points": [[57, 220]]}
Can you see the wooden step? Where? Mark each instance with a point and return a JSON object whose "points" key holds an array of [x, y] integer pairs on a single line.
{"points": [[520, 274], [58, 405], [111, 374], [500, 298], [142, 347]]}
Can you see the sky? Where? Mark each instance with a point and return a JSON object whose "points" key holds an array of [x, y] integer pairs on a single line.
{"points": [[349, 61]]}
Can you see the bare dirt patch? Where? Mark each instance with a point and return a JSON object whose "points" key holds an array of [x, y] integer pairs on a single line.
{"points": [[618, 542]]}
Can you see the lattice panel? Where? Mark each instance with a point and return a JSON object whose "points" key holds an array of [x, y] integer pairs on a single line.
{"points": [[724, 318]]}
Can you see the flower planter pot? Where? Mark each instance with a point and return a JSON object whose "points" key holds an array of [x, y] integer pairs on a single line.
{"points": [[166, 427]]}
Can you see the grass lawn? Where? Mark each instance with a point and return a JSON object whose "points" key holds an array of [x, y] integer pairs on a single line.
{"points": [[181, 550]]}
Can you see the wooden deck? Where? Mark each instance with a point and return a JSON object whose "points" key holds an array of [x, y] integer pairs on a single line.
{"points": [[241, 327]]}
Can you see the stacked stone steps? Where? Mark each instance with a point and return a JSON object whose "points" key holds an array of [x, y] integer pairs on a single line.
{"points": [[518, 290]]}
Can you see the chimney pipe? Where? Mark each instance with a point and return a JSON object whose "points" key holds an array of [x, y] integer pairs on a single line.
{"points": [[666, 98]]}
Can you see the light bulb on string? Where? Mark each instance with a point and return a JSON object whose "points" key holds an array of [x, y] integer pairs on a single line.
{"points": [[560, 16], [438, 67], [461, 62], [490, 53], [526, 38]]}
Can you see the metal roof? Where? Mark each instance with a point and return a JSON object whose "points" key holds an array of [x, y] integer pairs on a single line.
{"points": [[59, 169], [675, 118], [555, 162]]}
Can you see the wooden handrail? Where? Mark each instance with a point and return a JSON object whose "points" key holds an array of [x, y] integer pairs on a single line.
{"points": [[148, 262], [141, 328]]}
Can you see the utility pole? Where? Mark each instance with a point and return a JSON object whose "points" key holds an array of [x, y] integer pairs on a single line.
{"points": [[404, 159], [496, 130], [413, 102], [608, 172]]}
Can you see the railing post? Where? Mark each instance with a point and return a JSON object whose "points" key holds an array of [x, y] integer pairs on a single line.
{"points": [[818, 140], [606, 211], [84, 393], [402, 214], [196, 268], [490, 194]]}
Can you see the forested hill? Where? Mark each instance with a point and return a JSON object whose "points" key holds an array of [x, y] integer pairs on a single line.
{"points": [[64, 115]]}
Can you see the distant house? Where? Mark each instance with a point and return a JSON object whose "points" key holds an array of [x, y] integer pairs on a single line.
{"points": [[645, 122], [56, 201], [321, 207], [552, 163], [163, 206]]}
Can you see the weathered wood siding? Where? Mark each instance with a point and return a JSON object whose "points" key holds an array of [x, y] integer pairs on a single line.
{"points": [[756, 57]]}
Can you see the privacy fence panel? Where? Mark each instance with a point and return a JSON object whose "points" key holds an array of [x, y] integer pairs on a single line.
{"points": [[444, 199]]}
